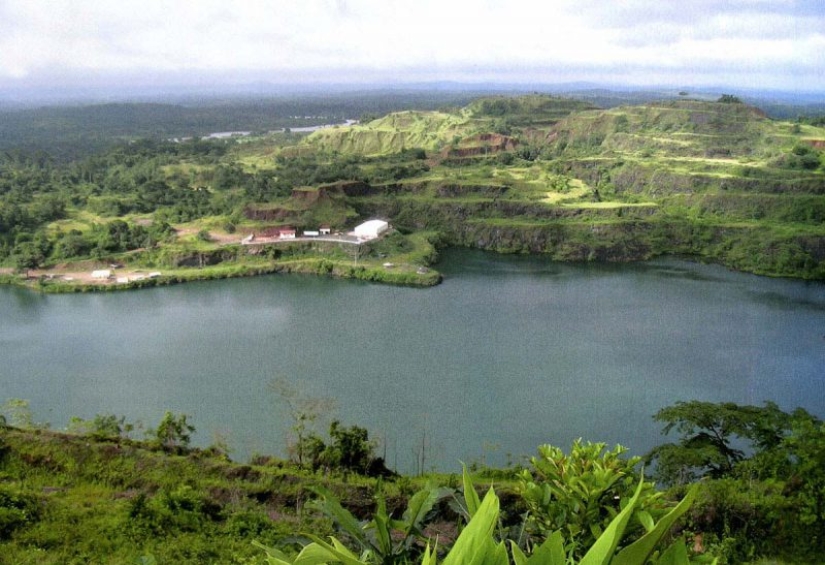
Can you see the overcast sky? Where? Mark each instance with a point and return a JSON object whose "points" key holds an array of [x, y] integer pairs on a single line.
{"points": [[777, 44]]}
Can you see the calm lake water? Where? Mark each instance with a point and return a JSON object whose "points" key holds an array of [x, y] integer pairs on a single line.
{"points": [[508, 353]]}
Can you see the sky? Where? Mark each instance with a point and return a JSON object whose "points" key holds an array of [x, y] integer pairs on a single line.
{"points": [[764, 44]]}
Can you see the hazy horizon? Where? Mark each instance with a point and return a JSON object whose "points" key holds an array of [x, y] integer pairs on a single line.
{"points": [[66, 46]]}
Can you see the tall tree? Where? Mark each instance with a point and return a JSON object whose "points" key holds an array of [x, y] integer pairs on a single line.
{"points": [[714, 437]]}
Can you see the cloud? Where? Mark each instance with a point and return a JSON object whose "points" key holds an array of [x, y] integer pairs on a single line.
{"points": [[637, 39]]}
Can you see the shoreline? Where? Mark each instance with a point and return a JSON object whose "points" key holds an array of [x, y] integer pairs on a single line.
{"points": [[50, 282], [421, 277]]}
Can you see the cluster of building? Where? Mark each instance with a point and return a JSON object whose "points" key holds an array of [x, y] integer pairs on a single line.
{"points": [[363, 232]]}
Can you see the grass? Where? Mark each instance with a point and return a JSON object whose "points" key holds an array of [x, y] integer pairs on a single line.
{"points": [[609, 205], [576, 189]]}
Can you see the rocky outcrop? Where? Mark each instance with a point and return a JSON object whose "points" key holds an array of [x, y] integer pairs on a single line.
{"points": [[482, 144]]}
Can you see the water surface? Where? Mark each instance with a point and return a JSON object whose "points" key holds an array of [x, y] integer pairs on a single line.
{"points": [[508, 353]]}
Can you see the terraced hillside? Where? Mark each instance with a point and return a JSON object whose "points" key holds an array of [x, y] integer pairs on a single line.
{"points": [[396, 132], [719, 181]]}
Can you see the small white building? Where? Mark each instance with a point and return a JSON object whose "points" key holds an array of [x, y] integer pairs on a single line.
{"points": [[287, 233], [310, 233], [101, 274], [370, 229], [324, 229]]}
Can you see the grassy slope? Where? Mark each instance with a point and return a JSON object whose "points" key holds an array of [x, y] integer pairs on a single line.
{"points": [[709, 179], [394, 133], [67, 498]]}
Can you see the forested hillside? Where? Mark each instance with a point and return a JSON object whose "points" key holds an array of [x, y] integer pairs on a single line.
{"points": [[718, 181]]}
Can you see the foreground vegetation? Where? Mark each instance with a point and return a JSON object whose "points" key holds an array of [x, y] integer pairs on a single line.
{"points": [[750, 480], [718, 181]]}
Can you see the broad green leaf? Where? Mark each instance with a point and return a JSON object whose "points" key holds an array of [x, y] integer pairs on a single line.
{"points": [[645, 519], [321, 552], [343, 518], [273, 556], [602, 551], [519, 558], [641, 549], [314, 554], [475, 540], [381, 524], [551, 552], [495, 553], [470, 494], [676, 554], [418, 507]]}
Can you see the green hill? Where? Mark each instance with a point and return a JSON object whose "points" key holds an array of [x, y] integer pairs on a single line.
{"points": [[717, 181], [394, 133]]}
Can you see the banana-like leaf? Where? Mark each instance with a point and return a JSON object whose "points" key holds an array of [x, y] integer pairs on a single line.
{"points": [[475, 542], [470, 494], [343, 518], [418, 507], [273, 556], [641, 549], [382, 525], [519, 558], [676, 554], [645, 519], [495, 554], [321, 552], [551, 552], [602, 551]]}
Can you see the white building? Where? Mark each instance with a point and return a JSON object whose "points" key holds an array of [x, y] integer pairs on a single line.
{"points": [[101, 274], [370, 229]]}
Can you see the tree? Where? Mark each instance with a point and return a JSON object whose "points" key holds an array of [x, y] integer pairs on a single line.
{"points": [[729, 99], [806, 484], [173, 432], [304, 411], [350, 449], [102, 426], [27, 256], [715, 437], [16, 413]]}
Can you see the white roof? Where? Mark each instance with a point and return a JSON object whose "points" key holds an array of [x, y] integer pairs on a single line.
{"points": [[371, 226]]}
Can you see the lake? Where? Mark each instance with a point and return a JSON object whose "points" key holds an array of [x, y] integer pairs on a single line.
{"points": [[508, 353]]}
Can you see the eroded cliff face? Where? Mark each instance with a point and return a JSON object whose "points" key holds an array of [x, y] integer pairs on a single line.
{"points": [[567, 242], [608, 234]]}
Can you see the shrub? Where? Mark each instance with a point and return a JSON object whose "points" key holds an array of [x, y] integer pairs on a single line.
{"points": [[578, 494], [16, 510]]}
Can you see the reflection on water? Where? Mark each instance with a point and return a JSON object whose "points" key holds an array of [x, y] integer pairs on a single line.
{"points": [[509, 351]]}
